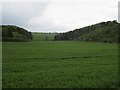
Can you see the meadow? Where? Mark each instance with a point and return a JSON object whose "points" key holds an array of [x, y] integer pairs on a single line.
{"points": [[43, 36], [59, 64]]}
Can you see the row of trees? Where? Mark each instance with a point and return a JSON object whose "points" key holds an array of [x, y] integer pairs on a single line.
{"points": [[101, 32], [11, 32]]}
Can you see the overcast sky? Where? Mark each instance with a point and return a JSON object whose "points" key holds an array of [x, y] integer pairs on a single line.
{"points": [[57, 15]]}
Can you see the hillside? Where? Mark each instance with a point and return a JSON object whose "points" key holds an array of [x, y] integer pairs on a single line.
{"points": [[101, 32], [15, 33]]}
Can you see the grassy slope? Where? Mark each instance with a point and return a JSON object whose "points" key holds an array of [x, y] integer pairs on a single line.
{"points": [[59, 64], [42, 36]]}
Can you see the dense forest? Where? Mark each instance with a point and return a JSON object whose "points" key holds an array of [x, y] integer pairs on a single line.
{"points": [[15, 33], [101, 32]]}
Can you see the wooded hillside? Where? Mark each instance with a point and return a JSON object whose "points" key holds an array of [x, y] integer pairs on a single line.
{"points": [[101, 32], [15, 33]]}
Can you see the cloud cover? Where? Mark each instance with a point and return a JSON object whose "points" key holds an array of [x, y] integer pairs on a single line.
{"points": [[59, 15]]}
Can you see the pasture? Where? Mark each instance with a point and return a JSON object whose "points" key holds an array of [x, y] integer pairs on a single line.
{"points": [[59, 64]]}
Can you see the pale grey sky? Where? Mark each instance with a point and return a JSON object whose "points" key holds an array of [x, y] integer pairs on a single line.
{"points": [[57, 15], [119, 12]]}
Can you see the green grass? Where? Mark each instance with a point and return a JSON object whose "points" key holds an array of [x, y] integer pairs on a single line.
{"points": [[59, 64], [0, 65], [42, 36]]}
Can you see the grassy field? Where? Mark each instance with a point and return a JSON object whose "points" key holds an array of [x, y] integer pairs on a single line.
{"points": [[59, 64], [43, 36], [0, 65]]}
